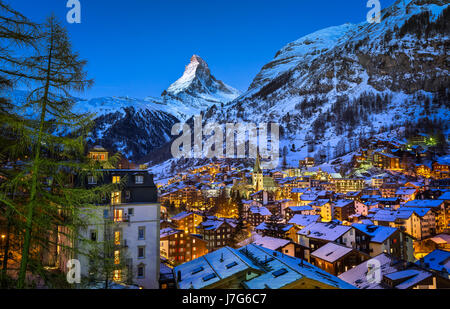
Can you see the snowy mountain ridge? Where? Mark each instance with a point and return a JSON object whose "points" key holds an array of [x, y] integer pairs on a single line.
{"points": [[344, 82]]}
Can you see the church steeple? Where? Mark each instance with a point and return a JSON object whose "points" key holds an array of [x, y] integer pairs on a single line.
{"points": [[257, 167]]}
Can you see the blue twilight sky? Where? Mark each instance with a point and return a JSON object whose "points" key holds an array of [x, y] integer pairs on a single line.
{"points": [[137, 48]]}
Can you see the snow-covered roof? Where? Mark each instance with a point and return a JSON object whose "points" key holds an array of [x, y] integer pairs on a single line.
{"points": [[285, 270], [300, 208], [405, 191], [437, 260], [168, 232], [325, 231], [212, 267], [331, 252], [424, 203], [445, 196], [181, 215], [409, 277], [342, 203], [441, 239], [268, 242], [357, 276], [263, 211], [377, 233], [304, 220]]}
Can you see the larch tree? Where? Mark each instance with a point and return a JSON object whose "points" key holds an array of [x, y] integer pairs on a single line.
{"points": [[16, 33], [56, 141]]}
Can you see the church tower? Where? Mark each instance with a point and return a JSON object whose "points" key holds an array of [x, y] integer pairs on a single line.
{"points": [[258, 176]]}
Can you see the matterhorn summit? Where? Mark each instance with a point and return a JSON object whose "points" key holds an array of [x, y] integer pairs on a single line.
{"points": [[197, 89]]}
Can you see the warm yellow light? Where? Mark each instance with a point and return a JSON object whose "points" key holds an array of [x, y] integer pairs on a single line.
{"points": [[3, 236]]}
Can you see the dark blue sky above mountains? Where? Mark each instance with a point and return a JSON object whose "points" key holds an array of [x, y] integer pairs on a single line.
{"points": [[137, 48]]}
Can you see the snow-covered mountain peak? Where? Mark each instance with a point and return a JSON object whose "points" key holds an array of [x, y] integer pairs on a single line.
{"points": [[197, 68], [306, 48], [197, 90]]}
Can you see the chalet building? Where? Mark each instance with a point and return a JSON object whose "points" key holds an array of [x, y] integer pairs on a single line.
{"points": [[437, 262], [217, 233], [441, 169], [438, 207], [343, 209], [336, 259], [298, 210], [178, 246], [253, 267], [417, 222], [307, 162], [389, 202], [389, 189], [284, 231], [98, 153], [394, 274], [406, 194], [364, 208], [301, 221], [319, 234], [257, 215], [353, 195], [187, 221], [438, 242], [285, 246], [324, 208], [263, 197], [386, 161], [166, 276], [388, 240], [130, 220]]}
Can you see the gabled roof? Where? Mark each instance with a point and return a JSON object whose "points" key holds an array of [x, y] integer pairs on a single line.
{"points": [[304, 220], [325, 231], [266, 242], [181, 215], [168, 232], [342, 203], [331, 252], [424, 203], [377, 233], [285, 270], [437, 260], [213, 267], [263, 211]]}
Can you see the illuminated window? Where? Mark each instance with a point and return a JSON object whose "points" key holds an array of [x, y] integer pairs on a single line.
{"points": [[117, 257], [117, 238], [117, 275], [116, 179], [116, 198], [118, 215]]}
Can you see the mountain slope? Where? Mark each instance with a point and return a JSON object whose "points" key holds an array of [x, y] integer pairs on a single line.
{"points": [[137, 127], [345, 82]]}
